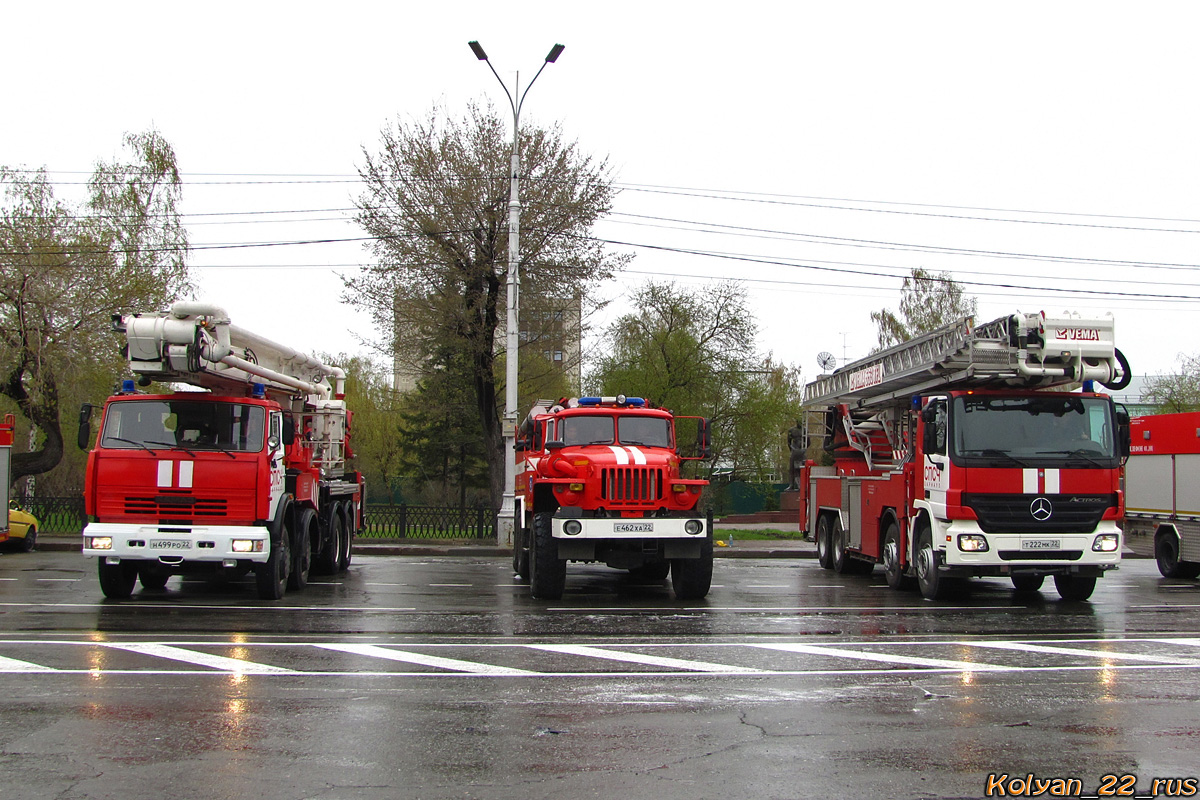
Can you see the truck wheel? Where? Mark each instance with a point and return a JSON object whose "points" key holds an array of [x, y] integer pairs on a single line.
{"points": [[691, 578], [547, 572], [330, 556], [1074, 587], [928, 579], [824, 551], [348, 531], [521, 552], [892, 568], [1166, 553], [117, 580], [271, 576], [1027, 584], [306, 530]]}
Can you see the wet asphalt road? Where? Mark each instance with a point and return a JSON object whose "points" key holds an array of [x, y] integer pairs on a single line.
{"points": [[440, 678]]}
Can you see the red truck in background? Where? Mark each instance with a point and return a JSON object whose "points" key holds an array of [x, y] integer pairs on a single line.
{"points": [[599, 479], [7, 429], [1162, 489], [963, 452], [249, 475]]}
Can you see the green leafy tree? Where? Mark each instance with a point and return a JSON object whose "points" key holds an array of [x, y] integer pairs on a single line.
{"points": [[1176, 391], [436, 205], [65, 270], [928, 301], [693, 351]]}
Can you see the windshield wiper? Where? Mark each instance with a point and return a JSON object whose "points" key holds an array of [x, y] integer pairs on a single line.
{"points": [[1079, 452], [174, 446], [132, 441], [992, 452], [216, 446]]}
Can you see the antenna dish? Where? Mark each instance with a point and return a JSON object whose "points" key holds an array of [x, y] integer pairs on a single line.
{"points": [[826, 360]]}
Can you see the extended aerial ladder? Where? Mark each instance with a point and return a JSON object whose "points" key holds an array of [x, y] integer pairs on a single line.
{"points": [[1020, 350], [196, 344]]}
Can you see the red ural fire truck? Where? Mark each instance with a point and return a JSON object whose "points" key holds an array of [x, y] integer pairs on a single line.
{"points": [[961, 453], [600, 480], [1161, 482], [250, 475]]}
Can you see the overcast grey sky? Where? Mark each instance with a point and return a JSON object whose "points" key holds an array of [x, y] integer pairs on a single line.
{"points": [[1042, 152]]}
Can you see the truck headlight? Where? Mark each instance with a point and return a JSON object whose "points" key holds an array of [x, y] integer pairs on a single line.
{"points": [[246, 545], [693, 527], [100, 543], [572, 527], [1106, 543], [972, 543]]}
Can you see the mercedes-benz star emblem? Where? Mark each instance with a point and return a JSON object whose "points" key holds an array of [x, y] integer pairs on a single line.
{"points": [[1041, 509]]}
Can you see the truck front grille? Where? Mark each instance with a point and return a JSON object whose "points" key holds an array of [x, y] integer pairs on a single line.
{"points": [[180, 508], [1014, 513], [632, 485]]}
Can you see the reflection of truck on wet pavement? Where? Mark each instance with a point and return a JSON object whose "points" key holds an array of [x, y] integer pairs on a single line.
{"points": [[1162, 490], [600, 480], [959, 453], [250, 475]]}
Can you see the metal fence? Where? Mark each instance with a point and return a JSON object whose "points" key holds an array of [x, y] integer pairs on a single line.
{"points": [[66, 515], [428, 522]]}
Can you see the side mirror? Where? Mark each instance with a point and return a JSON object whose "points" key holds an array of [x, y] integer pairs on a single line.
{"points": [[557, 444], [289, 429], [1123, 436], [84, 439], [704, 439]]}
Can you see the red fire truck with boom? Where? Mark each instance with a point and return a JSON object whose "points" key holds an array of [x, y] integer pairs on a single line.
{"points": [[249, 475], [962, 453], [599, 480], [1161, 482]]}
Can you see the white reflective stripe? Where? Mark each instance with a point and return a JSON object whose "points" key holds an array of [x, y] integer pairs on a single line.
{"points": [[1052, 481], [185, 474], [375, 651], [1029, 481], [619, 452], [13, 665], [887, 658], [638, 456], [638, 658], [164, 473], [201, 659], [1086, 653]]}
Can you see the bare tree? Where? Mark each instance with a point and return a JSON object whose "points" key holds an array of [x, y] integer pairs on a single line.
{"points": [[928, 300]]}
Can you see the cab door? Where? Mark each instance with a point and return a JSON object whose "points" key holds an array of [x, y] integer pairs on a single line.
{"points": [[935, 419]]}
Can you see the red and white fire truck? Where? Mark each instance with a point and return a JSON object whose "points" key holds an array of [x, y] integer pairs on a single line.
{"points": [[1162, 477], [599, 480], [963, 453], [250, 475]]}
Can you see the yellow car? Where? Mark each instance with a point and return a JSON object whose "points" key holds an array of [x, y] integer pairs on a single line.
{"points": [[22, 530]]}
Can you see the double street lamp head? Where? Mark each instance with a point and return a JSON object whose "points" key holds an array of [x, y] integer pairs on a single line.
{"points": [[551, 57]]}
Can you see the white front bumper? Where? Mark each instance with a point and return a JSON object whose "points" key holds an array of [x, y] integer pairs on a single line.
{"points": [[1027, 545], [172, 543], [616, 528]]}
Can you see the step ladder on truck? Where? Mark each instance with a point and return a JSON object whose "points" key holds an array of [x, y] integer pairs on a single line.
{"points": [[248, 475], [971, 451]]}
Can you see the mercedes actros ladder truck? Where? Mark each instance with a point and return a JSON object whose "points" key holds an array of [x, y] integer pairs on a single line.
{"points": [[249, 474], [973, 450]]}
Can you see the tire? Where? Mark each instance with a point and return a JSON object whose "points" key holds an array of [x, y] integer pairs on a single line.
{"points": [[117, 580], [153, 579], [893, 570], [271, 576], [547, 572], [1027, 584], [1166, 553], [691, 578], [824, 549], [1074, 587], [30, 540], [329, 558], [929, 580], [349, 529], [521, 552], [306, 530]]}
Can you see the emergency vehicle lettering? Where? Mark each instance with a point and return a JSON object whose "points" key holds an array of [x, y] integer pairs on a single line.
{"points": [[1077, 334]]}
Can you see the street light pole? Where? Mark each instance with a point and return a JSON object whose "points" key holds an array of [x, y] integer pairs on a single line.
{"points": [[507, 519]]}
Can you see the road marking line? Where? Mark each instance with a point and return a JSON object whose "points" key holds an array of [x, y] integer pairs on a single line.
{"points": [[59, 580], [1086, 653], [887, 658], [202, 659], [13, 665], [638, 658], [375, 651]]}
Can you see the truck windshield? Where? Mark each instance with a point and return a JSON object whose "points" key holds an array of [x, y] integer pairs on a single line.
{"points": [[184, 424], [644, 431], [590, 429], [1057, 428]]}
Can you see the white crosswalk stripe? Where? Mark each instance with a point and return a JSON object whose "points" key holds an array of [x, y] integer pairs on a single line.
{"points": [[224, 663], [391, 654], [640, 658]]}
